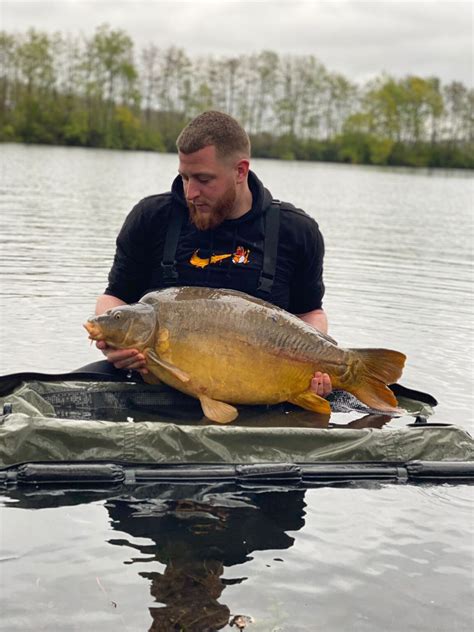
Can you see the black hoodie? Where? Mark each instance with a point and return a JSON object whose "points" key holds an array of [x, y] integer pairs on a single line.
{"points": [[230, 256]]}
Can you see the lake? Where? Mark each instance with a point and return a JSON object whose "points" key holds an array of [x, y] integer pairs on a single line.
{"points": [[398, 273]]}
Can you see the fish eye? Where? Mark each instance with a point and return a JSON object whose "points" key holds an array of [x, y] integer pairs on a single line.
{"points": [[118, 316]]}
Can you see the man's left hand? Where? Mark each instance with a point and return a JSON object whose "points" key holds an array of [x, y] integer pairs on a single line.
{"points": [[321, 384]]}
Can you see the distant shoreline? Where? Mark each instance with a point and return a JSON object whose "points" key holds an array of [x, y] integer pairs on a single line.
{"points": [[254, 155], [100, 92]]}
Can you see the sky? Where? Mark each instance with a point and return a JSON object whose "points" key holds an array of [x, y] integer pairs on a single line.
{"points": [[358, 38]]}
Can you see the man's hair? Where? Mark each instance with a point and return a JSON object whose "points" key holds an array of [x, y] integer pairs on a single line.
{"points": [[218, 129]]}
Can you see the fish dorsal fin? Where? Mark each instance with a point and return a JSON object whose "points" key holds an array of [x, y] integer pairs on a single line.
{"points": [[218, 411], [178, 373], [327, 337]]}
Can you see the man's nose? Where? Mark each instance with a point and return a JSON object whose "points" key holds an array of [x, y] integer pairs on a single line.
{"points": [[192, 190]]}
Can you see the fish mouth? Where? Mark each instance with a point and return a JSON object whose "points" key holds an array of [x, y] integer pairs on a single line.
{"points": [[94, 331]]}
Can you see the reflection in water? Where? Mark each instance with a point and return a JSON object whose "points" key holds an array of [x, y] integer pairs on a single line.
{"points": [[289, 416], [198, 531], [369, 421]]}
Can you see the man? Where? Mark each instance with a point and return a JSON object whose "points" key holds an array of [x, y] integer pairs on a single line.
{"points": [[218, 227]]}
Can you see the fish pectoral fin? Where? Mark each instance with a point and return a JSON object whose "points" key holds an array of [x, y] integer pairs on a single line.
{"points": [[178, 373], [218, 411], [310, 401]]}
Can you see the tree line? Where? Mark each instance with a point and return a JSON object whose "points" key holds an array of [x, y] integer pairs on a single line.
{"points": [[100, 92]]}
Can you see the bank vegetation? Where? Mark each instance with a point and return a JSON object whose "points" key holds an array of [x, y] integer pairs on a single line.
{"points": [[102, 92]]}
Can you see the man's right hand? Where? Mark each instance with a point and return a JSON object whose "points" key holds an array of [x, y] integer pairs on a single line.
{"points": [[128, 359]]}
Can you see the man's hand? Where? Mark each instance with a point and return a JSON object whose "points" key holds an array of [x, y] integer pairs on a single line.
{"points": [[321, 384], [127, 359]]}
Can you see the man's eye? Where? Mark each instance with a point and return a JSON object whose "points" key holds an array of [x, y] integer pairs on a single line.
{"points": [[203, 180]]}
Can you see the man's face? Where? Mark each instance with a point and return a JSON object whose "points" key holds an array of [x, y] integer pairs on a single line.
{"points": [[209, 185]]}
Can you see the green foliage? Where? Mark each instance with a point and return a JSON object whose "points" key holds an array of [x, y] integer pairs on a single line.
{"points": [[75, 130], [95, 92], [126, 130], [354, 148], [8, 134]]}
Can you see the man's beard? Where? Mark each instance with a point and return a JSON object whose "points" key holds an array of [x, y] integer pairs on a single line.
{"points": [[219, 211]]}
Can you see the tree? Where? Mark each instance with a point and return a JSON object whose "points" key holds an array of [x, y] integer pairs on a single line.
{"points": [[8, 81], [111, 78]]}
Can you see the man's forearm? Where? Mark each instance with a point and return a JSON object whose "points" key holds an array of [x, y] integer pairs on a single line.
{"points": [[105, 302], [317, 319]]}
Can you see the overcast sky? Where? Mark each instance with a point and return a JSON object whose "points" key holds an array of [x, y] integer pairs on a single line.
{"points": [[357, 38]]}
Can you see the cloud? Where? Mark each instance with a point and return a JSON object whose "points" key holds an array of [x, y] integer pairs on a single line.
{"points": [[357, 38]]}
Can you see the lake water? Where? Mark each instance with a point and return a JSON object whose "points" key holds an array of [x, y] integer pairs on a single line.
{"points": [[398, 273]]}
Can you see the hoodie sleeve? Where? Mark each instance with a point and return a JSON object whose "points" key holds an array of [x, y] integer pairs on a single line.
{"points": [[307, 287], [130, 272]]}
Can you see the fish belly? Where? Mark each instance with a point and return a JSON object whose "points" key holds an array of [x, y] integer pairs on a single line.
{"points": [[236, 373]]}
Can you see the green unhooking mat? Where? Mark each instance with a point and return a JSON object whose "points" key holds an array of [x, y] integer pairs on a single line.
{"points": [[93, 421]]}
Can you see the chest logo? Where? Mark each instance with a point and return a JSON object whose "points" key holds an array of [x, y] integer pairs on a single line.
{"points": [[240, 256]]}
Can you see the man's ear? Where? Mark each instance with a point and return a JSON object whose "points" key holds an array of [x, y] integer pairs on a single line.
{"points": [[242, 168]]}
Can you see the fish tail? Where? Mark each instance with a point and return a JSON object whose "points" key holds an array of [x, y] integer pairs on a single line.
{"points": [[379, 368]]}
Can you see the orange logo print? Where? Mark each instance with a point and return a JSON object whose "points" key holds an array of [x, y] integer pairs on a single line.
{"points": [[241, 255]]}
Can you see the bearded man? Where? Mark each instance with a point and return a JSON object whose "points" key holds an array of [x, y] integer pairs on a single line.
{"points": [[218, 227]]}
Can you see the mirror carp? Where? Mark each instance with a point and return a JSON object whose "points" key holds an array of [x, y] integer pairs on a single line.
{"points": [[226, 348]]}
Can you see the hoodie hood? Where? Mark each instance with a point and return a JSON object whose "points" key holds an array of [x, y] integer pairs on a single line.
{"points": [[261, 199]]}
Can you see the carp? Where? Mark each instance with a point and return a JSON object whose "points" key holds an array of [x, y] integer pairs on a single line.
{"points": [[225, 347]]}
